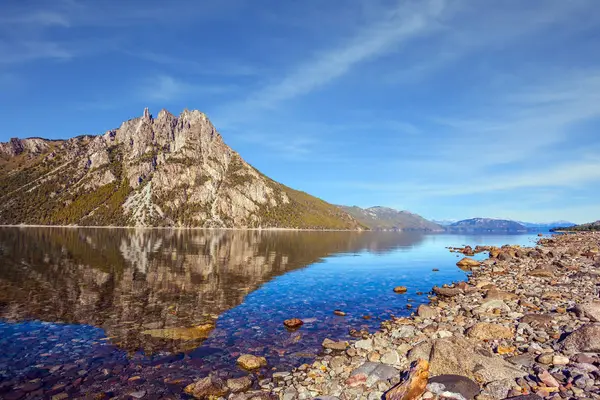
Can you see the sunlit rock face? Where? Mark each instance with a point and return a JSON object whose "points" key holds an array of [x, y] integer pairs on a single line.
{"points": [[155, 290], [163, 171]]}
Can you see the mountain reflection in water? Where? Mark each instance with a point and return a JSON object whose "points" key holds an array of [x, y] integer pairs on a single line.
{"points": [[135, 282]]}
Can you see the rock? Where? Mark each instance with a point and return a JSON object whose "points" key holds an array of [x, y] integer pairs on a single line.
{"points": [[332, 345], [194, 333], [237, 385], [206, 388], [548, 379], [468, 262], [339, 313], [584, 339], [458, 356], [138, 395], [447, 386], [370, 373], [425, 311], [491, 305], [499, 389], [560, 360], [525, 360], [400, 289], [589, 310], [495, 294], [541, 273], [538, 319], [365, 344], [487, 331], [525, 397], [250, 362], [391, 358], [293, 323], [414, 383], [446, 292]]}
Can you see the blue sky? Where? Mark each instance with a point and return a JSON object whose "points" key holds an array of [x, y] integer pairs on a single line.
{"points": [[447, 108]]}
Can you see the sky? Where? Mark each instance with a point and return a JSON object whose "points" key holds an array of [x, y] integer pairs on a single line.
{"points": [[451, 109]]}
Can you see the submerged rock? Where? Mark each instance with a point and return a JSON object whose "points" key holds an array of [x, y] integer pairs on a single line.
{"points": [[250, 362], [293, 323], [207, 388], [194, 333]]}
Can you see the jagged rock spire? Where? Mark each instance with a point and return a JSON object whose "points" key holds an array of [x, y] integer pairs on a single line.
{"points": [[147, 114]]}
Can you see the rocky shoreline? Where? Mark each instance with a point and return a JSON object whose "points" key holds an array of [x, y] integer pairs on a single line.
{"points": [[524, 324]]}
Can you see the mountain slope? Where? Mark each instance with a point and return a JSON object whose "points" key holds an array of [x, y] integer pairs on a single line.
{"points": [[384, 218], [163, 171], [592, 226], [486, 225]]}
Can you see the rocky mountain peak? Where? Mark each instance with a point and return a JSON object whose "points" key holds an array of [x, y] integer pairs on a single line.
{"points": [[164, 171]]}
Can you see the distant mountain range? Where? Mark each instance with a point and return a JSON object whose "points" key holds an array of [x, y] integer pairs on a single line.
{"points": [[486, 225], [385, 218]]}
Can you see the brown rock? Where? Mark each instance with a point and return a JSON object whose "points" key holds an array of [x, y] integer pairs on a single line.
{"points": [[237, 385], [250, 362], [487, 331], [207, 388], [446, 292], [537, 319], [333, 345], [425, 311], [414, 384], [293, 323], [468, 262], [495, 294], [400, 289], [541, 273], [339, 313]]}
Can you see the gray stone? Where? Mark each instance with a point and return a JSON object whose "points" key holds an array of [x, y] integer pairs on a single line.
{"points": [[466, 387], [584, 339]]}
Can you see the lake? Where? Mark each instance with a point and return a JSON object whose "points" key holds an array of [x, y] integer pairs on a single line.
{"points": [[117, 311]]}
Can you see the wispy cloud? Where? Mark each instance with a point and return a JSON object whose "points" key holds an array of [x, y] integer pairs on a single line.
{"points": [[392, 29], [163, 88]]}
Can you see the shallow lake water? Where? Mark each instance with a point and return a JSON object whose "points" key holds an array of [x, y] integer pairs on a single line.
{"points": [[114, 311]]}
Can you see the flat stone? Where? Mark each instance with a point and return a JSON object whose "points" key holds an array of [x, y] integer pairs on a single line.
{"points": [[425, 311], [487, 331], [446, 292], [538, 319], [491, 305], [365, 344], [138, 395], [207, 387], [333, 345]]}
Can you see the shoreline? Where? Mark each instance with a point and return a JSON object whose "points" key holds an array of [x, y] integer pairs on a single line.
{"points": [[522, 323]]}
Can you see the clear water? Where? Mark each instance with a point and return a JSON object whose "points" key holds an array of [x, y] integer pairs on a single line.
{"points": [[85, 297]]}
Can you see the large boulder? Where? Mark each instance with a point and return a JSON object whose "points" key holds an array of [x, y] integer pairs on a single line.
{"points": [[468, 263], [589, 310], [459, 356], [584, 340]]}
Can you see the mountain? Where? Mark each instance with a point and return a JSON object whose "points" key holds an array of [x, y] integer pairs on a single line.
{"points": [[545, 225], [486, 225], [592, 226], [384, 218], [444, 222], [163, 171]]}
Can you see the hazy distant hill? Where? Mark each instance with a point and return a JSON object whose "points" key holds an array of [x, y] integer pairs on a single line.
{"points": [[486, 225], [164, 171], [592, 226], [545, 225], [385, 218]]}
